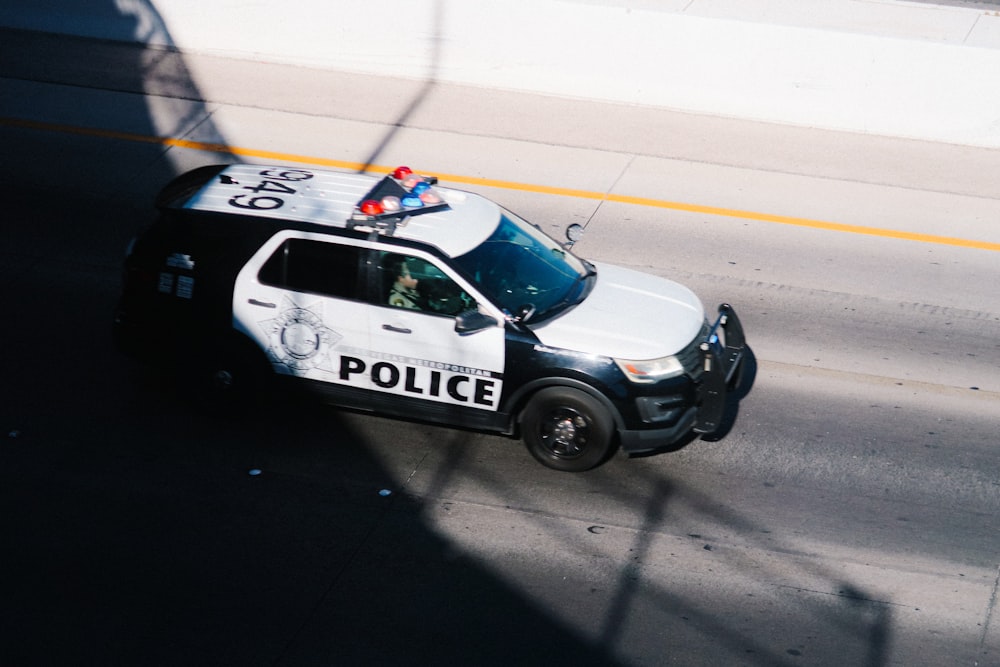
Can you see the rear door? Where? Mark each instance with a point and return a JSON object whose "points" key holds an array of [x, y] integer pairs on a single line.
{"points": [[302, 300]]}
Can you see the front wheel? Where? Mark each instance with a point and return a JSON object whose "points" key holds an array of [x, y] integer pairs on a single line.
{"points": [[567, 430]]}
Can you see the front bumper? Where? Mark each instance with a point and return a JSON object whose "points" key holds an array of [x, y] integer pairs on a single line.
{"points": [[640, 441], [723, 352]]}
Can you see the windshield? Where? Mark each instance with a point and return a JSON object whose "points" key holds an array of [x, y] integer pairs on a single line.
{"points": [[524, 270]]}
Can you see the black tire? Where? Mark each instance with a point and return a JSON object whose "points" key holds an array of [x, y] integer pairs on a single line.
{"points": [[568, 430], [233, 381]]}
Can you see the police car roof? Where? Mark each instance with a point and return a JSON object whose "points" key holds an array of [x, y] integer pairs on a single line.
{"points": [[331, 199]]}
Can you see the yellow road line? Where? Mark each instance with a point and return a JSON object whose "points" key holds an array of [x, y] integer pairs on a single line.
{"points": [[508, 185]]}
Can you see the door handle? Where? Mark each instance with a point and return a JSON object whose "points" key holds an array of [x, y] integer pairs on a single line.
{"points": [[389, 327], [265, 304]]}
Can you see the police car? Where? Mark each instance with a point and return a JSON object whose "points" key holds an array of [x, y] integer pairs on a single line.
{"points": [[396, 296]]}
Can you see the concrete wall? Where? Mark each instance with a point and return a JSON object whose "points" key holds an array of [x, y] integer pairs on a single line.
{"points": [[888, 68]]}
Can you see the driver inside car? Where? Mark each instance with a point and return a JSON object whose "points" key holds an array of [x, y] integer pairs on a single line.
{"points": [[403, 292]]}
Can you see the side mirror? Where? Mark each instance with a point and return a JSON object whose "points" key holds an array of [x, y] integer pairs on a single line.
{"points": [[573, 234], [472, 321]]}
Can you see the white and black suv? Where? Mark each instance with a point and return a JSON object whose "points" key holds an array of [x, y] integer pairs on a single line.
{"points": [[398, 297]]}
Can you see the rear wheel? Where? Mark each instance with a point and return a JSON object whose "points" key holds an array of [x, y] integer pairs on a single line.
{"points": [[567, 429], [232, 381]]}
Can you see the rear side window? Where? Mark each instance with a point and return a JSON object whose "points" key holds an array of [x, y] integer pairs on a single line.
{"points": [[324, 268]]}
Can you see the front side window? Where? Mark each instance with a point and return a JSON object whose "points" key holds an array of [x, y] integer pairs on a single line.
{"points": [[304, 265], [523, 269], [414, 283]]}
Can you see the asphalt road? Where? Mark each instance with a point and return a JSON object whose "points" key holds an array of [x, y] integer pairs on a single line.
{"points": [[848, 517]]}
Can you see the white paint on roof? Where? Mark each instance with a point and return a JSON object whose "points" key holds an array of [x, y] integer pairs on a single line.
{"points": [[330, 198]]}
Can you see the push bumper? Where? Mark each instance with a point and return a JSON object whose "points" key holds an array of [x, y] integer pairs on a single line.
{"points": [[723, 352]]}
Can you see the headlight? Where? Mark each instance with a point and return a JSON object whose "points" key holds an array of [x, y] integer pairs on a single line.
{"points": [[651, 370]]}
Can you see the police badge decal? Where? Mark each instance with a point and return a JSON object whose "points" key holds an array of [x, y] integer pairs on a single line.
{"points": [[299, 340]]}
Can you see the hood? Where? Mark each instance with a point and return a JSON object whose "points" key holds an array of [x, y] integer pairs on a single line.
{"points": [[628, 315]]}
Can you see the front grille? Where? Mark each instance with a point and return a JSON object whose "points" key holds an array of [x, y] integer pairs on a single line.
{"points": [[691, 357]]}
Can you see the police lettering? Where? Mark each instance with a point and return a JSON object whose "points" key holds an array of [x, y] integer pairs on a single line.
{"points": [[385, 375], [431, 383]]}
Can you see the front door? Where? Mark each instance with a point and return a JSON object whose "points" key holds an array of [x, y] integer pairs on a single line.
{"points": [[416, 353]]}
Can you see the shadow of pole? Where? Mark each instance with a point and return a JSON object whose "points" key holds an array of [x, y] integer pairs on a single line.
{"points": [[874, 621], [433, 68], [839, 607], [630, 577]]}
